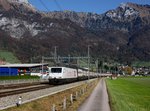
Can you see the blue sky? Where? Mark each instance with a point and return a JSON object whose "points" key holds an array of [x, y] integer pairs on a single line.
{"points": [[95, 6]]}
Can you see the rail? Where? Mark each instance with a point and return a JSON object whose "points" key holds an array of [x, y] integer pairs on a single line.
{"points": [[23, 90], [20, 81], [10, 101]]}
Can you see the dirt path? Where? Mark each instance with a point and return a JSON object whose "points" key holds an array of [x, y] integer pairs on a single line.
{"points": [[98, 100]]}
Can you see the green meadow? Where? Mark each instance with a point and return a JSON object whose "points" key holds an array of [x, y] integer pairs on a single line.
{"points": [[8, 57], [129, 94]]}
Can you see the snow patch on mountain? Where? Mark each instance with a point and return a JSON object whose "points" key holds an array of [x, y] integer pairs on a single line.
{"points": [[123, 5], [130, 12], [111, 14], [123, 12]]}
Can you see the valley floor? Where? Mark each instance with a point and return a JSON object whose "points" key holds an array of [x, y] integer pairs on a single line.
{"points": [[129, 94]]}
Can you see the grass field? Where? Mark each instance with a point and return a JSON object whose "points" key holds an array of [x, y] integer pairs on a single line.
{"points": [[8, 57], [129, 94]]}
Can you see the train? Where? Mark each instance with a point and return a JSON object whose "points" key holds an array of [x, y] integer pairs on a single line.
{"points": [[61, 75]]}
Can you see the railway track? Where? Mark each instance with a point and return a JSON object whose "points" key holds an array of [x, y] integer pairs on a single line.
{"points": [[10, 86], [23, 90]]}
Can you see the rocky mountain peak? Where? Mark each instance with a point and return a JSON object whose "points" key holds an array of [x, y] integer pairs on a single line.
{"points": [[124, 17], [19, 1], [127, 17], [123, 5], [16, 5], [14, 17], [124, 12], [144, 10]]}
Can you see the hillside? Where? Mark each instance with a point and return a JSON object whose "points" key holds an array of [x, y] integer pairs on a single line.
{"points": [[8, 57], [120, 34]]}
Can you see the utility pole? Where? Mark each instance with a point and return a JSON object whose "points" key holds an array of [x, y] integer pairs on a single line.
{"points": [[78, 65], [69, 59], [96, 63], [42, 64], [88, 61], [55, 54]]}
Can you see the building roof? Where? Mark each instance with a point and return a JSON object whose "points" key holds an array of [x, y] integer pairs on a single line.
{"points": [[23, 65]]}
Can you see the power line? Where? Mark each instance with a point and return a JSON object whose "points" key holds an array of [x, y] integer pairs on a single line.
{"points": [[58, 5], [44, 5]]}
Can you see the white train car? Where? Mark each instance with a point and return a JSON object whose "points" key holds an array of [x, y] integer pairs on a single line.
{"points": [[62, 72], [60, 75]]}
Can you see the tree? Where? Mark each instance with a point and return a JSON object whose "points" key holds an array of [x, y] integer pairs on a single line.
{"points": [[106, 67], [128, 70]]}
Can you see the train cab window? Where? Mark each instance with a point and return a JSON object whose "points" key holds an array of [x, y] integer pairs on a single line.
{"points": [[56, 70]]}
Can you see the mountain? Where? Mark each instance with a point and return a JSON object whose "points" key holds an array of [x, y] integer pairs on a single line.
{"points": [[118, 27], [30, 34], [127, 17]]}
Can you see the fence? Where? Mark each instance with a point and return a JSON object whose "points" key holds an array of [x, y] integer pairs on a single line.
{"points": [[60, 98], [76, 95]]}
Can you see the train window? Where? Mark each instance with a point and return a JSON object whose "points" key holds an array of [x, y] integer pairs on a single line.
{"points": [[56, 70]]}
